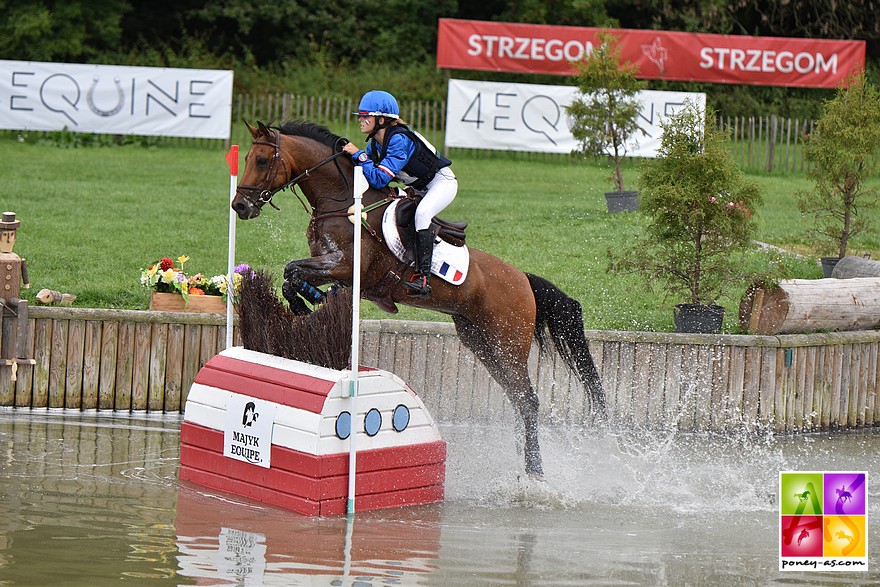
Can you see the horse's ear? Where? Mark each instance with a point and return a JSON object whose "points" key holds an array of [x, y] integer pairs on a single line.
{"points": [[254, 132], [264, 130]]}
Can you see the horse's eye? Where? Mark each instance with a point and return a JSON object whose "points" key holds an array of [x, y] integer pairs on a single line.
{"points": [[262, 161]]}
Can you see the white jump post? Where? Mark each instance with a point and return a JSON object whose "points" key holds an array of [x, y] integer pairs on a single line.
{"points": [[360, 186], [232, 161]]}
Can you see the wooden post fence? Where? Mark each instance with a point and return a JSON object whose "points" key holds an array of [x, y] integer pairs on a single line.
{"points": [[125, 360]]}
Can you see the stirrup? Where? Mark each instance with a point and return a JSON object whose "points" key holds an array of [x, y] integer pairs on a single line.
{"points": [[418, 286]]}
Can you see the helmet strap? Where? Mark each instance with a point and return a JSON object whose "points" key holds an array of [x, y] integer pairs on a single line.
{"points": [[379, 126]]}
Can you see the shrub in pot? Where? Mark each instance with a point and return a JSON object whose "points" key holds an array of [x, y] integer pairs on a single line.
{"points": [[699, 207], [843, 150], [605, 112]]}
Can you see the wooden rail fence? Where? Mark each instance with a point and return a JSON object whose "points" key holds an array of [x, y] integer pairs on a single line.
{"points": [[128, 360]]}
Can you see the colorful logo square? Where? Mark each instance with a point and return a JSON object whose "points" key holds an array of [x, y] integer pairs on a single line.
{"points": [[845, 494], [802, 536], [801, 493], [845, 536]]}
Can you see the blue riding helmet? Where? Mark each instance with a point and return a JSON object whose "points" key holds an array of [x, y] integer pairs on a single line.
{"points": [[378, 103]]}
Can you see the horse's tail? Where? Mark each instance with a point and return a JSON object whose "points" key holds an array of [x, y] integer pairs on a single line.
{"points": [[563, 318]]}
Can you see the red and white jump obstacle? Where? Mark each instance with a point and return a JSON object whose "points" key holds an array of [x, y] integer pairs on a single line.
{"points": [[302, 463], [305, 437]]}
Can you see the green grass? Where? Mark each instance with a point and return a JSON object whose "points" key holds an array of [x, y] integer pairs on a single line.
{"points": [[93, 217]]}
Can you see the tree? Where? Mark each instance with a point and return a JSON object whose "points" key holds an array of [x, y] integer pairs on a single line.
{"points": [[605, 113], [75, 30], [843, 152], [699, 206]]}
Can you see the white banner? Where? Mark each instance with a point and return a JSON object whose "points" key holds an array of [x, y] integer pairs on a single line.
{"points": [[111, 99], [531, 117]]}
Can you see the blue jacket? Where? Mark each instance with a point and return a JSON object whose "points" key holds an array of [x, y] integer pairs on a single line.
{"points": [[405, 156]]}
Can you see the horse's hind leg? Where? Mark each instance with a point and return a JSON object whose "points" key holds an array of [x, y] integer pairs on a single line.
{"points": [[509, 369]]}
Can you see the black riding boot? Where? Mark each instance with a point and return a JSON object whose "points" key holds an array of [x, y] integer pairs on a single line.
{"points": [[419, 285]]}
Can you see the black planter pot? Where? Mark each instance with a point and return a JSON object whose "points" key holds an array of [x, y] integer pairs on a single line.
{"points": [[622, 201], [698, 318], [828, 264]]}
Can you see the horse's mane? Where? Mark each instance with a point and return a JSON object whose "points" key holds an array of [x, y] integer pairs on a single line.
{"points": [[310, 130]]}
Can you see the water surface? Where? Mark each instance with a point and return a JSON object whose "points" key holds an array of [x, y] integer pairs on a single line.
{"points": [[93, 499]]}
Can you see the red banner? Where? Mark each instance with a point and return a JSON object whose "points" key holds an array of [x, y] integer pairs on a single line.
{"points": [[729, 59]]}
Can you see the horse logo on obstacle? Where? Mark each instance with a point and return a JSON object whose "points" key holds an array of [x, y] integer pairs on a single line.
{"points": [[250, 415]]}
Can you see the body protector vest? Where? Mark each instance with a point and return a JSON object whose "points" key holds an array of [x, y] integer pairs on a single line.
{"points": [[422, 165]]}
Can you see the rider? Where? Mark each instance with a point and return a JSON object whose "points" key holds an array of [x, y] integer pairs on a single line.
{"points": [[396, 152]]}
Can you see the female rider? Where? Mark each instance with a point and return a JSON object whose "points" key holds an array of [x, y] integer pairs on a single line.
{"points": [[396, 152]]}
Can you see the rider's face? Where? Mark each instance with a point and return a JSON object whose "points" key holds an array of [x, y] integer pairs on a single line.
{"points": [[368, 123]]}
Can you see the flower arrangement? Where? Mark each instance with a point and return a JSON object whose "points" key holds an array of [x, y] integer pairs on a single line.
{"points": [[163, 276]]}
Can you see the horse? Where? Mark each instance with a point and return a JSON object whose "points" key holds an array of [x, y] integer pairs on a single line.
{"points": [[498, 310]]}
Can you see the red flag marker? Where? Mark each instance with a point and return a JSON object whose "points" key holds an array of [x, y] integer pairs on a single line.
{"points": [[232, 160]]}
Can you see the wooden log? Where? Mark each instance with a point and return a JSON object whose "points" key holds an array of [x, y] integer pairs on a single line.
{"points": [[74, 373], [140, 375], [174, 368], [24, 385], [42, 353], [191, 366], [811, 305], [626, 368], [58, 363], [719, 405], [91, 364], [157, 366], [125, 366], [658, 384], [674, 375], [107, 365], [851, 267]]}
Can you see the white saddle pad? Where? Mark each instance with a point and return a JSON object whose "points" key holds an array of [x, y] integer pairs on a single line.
{"points": [[449, 263]]}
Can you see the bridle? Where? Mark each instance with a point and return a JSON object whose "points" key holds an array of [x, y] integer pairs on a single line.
{"points": [[258, 196]]}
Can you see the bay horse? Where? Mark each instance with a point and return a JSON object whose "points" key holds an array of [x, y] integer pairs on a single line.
{"points": [[497, 310]]}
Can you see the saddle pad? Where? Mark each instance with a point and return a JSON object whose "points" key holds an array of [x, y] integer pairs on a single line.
{"points": [[449, 263]]}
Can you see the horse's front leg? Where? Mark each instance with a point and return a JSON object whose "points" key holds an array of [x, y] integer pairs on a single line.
{"points": [[303, 276]]}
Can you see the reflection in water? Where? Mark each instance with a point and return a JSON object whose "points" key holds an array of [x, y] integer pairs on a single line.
{"points": [[93, 499], [86, 500], [248, 544]]}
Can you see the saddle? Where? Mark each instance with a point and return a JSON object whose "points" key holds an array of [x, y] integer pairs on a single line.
{"points": [[451, 232]]}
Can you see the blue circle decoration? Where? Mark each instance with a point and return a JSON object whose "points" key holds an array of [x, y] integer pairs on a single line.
{"points": [[372, 422], [343, 425], [400, 419]]}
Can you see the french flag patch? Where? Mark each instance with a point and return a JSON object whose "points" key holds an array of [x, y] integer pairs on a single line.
{"points": [[450, 273]]}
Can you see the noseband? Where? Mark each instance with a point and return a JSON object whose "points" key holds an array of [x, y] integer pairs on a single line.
{"points": [[259, 195]]}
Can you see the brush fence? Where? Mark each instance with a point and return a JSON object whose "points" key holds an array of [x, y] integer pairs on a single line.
{"points": [[135, 360]]}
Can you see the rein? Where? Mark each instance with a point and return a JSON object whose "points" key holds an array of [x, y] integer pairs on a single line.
{"points": [[258, 196], [365, 210]]}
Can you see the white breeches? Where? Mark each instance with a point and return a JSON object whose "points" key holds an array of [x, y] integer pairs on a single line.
{"points": [[438, 194]]}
